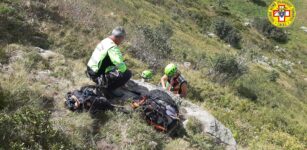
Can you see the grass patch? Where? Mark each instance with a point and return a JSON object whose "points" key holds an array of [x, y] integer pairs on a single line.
{"points": [[273, 120], [30, 128], [131, 132]]}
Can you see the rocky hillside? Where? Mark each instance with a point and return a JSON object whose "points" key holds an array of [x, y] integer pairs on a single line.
{"points": [[248, 74]]}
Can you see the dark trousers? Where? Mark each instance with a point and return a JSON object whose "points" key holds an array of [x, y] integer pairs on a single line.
{"points": [[112, 80]]}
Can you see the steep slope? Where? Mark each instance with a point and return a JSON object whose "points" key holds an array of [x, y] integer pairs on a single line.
{"points": [[262, 98]]}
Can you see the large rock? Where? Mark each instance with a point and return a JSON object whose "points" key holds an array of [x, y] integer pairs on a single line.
{"points": [[48, 54], [210, 124]]}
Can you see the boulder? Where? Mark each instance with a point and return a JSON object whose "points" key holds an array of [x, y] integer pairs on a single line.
{"points": [[211, 35], [303, 28], [247, 24], [47, 54], [187, 65], [210, 125]]}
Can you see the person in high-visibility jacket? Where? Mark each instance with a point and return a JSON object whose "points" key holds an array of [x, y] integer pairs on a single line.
{"points": [[106, 66]]}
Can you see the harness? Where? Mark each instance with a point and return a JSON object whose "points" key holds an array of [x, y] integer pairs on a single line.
{"points": [[177, 81]]}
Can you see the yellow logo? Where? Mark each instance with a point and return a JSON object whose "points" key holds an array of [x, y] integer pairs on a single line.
{"points": [[281, 13]]}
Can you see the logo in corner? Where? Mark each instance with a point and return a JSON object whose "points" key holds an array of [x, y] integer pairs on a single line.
{"points": [[281, 13]]}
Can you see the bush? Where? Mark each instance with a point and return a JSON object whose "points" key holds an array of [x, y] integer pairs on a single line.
{"points": [[221, 3], [251, 86], [259, 2], [74, 49], [280, 140], [278, 35], [3, 98], [222, 28], [33, 60], [80, 13], [301, 90], [3, 56], [30, 129], [15, 28], [268, 30], [5, 10], [197, 138], [62, 71], [247, 92], [152, 45], [225, 31], [273, 76], [195, 92], [194, 125], [156, 2], [200, 18], [255, 86], [229, 66], [234, 38], [15, 95], [195, 3]]}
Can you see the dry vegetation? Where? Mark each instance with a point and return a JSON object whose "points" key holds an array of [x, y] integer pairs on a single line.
{"points": [[262, 98]]}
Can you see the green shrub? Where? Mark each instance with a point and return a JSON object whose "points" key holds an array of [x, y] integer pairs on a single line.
{"points": [[279, 140], [33, 60], [234, 38], [301, 89], [16, 95], [159, 38], [194, 125], [273, 76], [62, 71], [30, 128], [201, 141], [222, 28], [156, 2], [201, 19], [197, 138], [255, 86], [3, 56], [270, 31], [195, 93], [152, 45], [225, 31], [16, 26], [221, 3], [229, 66], [3, 98], [247, 91], [195, 3], [251, 86], [74, 47], [259, 2], [6, 10]]}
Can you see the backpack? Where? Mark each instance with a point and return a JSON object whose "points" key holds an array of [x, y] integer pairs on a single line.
{"points": [[88, 101], [159, 110]]}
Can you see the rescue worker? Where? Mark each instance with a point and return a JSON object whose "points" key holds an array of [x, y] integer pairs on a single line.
{"points": [[173, 81], [106, 66]]}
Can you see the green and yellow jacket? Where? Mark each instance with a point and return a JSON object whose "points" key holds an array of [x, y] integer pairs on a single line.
{"points": [[106, 57]]}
